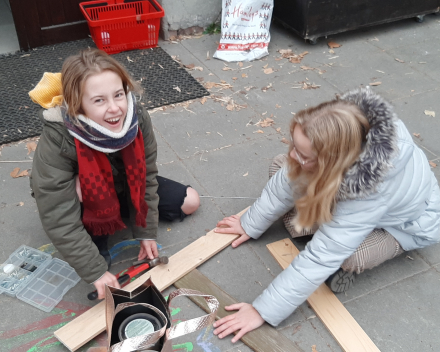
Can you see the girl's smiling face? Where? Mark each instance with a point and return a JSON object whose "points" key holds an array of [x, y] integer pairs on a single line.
{"points": [[104, 100]]}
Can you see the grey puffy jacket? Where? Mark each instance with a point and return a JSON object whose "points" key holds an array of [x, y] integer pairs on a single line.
{"points": [[390, 186]]}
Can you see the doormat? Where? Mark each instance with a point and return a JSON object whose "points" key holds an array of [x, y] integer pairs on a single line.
{"points": [[163, 79]]}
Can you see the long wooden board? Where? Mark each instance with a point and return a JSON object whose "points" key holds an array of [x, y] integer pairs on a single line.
{"points": [[327, 306], [263, 339], [91, 323]]}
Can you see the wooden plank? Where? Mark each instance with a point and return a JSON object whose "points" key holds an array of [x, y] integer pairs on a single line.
{"points": [[91, 323], [263, 339], [327, 306]]}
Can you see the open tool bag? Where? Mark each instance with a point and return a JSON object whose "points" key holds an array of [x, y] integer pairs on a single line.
{"points": [[140, 320]]}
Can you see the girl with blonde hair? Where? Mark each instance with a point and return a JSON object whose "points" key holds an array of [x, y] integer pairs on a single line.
{"points": [[96, 163], [354, 179]]}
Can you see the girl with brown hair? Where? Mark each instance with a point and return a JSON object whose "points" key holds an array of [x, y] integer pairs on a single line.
{"points": [[96, 163], [354, 179]]}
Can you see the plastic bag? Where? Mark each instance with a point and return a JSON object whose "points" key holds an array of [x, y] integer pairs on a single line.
{"points": [[245, 30]]}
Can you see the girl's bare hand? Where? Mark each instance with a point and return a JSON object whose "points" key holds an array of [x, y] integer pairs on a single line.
{"points": [[246, 319], [232, 225]]}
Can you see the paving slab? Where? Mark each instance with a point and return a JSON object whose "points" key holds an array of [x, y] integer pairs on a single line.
{"points": [[311, 332], [212, 127], [392, 35], [244, 166], [404, 316], [422, 58]]}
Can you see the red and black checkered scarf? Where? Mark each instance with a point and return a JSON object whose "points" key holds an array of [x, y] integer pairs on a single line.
{"points": [[102, 214]]}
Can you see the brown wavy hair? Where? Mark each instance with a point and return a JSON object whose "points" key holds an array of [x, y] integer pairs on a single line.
{"points": [[336, 130], [77, 68]]}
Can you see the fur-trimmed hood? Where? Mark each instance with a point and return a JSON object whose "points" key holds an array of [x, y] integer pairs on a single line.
{"points": [[380, 148]]}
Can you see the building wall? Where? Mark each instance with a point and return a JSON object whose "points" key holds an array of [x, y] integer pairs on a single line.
{"points": [[188, 16]]}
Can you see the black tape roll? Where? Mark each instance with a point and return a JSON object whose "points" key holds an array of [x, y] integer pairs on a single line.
{"points": [[137, 325]]}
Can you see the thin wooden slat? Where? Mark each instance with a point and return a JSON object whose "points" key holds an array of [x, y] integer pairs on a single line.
{"points": [[327, 306], [91, 323], [263, 339]]}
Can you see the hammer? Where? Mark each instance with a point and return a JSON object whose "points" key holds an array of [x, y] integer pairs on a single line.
{"points": [[131, 272]]}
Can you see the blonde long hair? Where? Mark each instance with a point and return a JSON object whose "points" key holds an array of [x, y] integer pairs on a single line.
{"points": [[77, 68], [336, 130]]}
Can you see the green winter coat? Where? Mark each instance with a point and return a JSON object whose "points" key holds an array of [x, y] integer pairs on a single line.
{"points": [[55, 166]]}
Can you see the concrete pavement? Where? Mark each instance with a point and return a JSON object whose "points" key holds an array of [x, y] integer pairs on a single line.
{"points": [[217, 148]]}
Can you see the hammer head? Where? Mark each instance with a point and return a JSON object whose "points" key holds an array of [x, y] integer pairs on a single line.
{"points": [[157, 261]]}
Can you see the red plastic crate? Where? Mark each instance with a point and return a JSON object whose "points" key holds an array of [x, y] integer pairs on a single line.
{"points": [[117, 26]]}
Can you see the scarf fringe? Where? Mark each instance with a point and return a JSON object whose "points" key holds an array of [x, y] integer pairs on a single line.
{"points": [[109, 227], [142, 215]]}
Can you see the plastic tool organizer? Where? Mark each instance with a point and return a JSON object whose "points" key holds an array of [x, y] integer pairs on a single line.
{"points": [[35, 278], [117, 25]]}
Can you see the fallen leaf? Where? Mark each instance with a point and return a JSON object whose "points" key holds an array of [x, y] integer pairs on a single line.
{"points": [[23, 173], [306, 85], [178, 89], [285, 51], [168, 229], [375, 83], [331, 51], [129, 60], [226, 68], [285, 141], [278, 129], [203, 100], [410, 258], [230, 107], [240, 64], [209, 85], [314, 348], [190, 66], [295, 60], [247, 173], [430, 113], [31, 146], [266, 122], [197, 68], [432, 164], [20, 204], [399, 60], [15, 172], [207, 56], [303, 54], [277, 106], [222, 81], [244, 75], [416, 135], [268, 71], [234, 78], [305, 68], [258, 131], [264, 89], [265, 66], [333, 45]]}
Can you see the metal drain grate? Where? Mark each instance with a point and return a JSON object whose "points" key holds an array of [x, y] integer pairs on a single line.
{"points": [[20, 72]]}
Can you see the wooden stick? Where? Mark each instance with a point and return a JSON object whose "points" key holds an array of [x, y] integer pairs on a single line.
{"points": [[327, 306], [263, 339], [91, 323], [16, 161]]}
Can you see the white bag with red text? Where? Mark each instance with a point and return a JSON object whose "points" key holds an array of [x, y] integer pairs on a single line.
{"points": [[245, 30]]}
